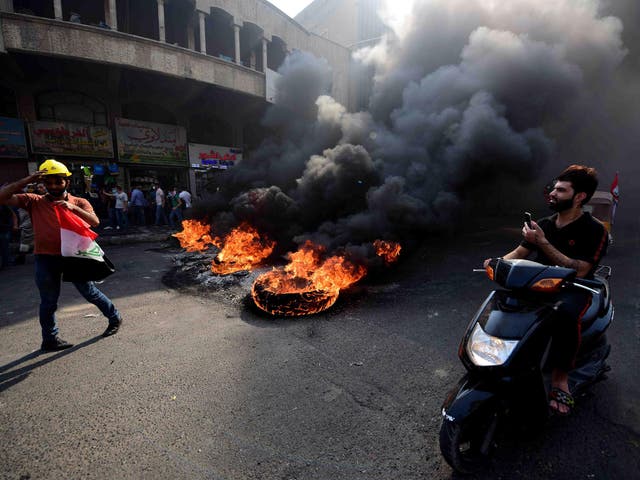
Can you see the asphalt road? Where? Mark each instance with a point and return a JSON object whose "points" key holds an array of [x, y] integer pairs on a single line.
{"points": [[203, 386]]}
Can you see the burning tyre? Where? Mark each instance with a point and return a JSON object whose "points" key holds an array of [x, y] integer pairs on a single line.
{"points": [[280, 295], [309, 284]]}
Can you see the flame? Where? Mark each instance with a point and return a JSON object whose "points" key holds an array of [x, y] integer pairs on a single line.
{"points": [[195, 236], [243, 249], [389, 251], [308, 284]]}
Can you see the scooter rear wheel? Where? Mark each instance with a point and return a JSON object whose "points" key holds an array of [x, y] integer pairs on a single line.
{"points": [[465, 446]]}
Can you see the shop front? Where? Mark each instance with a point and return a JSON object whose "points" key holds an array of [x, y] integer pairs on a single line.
{"points": [[208, 164], [152, 153], [86, 150], [13, 149]]}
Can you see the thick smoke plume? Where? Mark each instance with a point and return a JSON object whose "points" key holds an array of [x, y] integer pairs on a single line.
{"points": [[468, 101]]}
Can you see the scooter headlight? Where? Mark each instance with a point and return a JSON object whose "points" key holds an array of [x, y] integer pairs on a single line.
{"points": [[485, 350]]}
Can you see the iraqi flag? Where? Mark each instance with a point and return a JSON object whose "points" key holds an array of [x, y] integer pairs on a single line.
{"points": [[83, 258]]}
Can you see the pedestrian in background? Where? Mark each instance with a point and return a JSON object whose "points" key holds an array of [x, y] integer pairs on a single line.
{"points": [[121, 207], [110, 203], [185, 196], [137, 203], [26, 235], [175, 217], [160, 201]]}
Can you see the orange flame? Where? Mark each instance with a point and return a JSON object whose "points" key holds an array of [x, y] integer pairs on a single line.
{"points": [[195, 236], [389, 251], [244, 249], [308, 284]]}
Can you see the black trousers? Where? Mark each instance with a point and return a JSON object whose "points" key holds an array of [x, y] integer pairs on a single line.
{"points": [[566, 328]]}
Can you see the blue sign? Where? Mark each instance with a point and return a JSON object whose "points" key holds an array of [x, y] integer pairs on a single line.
{"points": [[13, 143]]}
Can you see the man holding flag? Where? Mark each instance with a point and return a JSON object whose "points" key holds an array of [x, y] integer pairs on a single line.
{"points": [[48, 250]]}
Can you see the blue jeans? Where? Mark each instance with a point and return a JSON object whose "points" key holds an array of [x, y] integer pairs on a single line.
{"points": [[48, 280], [176, 213], [113, 218], [137, 214], [160, 215], [121, 216]]}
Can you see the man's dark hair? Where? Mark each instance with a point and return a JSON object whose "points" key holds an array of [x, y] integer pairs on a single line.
{"points": [[582, 178]]}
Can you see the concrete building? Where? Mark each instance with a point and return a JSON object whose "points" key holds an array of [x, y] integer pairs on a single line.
{"points": [[354, 24], [141, 91], [351, 23]]}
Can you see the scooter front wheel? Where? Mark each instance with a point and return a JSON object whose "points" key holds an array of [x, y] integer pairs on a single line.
{"points": [[467, 446]]}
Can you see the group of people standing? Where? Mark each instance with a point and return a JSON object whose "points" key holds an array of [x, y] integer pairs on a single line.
{"points": [[170, 208]]}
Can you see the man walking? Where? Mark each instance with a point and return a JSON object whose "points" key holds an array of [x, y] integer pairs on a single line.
{"points": [[175, 217], [160, 201], [48, 257], [137, 205]]}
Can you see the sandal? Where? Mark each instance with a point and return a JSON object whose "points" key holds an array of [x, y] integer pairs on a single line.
{"points": [[561, 398]]}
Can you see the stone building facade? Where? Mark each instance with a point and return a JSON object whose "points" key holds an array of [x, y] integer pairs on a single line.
{"points": [[354, 24], [125, 88]]}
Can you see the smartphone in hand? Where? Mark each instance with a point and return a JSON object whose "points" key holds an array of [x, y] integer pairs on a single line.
{"points": [[527, 219]]}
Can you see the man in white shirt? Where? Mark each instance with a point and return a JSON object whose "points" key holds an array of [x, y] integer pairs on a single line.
{"points": [[122, 204], [186, 198], [160, 202]]}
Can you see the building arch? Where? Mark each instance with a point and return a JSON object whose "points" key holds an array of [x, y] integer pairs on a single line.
{"points": [[34, 7], [8, 102], [179, 20], [210, 129], [70, 106], [148, 112], [251, 36], [276, 53], [138, 17], [219, 34]]}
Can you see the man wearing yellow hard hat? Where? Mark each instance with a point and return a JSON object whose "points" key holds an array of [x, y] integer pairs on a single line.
{"points": [[48, 258]]}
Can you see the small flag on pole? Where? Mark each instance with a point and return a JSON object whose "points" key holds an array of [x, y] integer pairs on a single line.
{"points": [[615, 192]]}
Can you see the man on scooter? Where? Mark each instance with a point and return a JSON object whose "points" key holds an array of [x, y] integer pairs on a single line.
{"points": [[573, 239]]}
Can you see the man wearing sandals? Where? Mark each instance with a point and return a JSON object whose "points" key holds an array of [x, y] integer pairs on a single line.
{"points": [[574, 239]]}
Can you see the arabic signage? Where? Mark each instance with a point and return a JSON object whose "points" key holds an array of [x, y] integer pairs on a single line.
{"points": [[63, 138], [13, 143], [211, 156], [151, 143]]}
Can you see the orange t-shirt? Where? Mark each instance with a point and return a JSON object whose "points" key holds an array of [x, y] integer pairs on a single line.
{"points": [[46, 228]]}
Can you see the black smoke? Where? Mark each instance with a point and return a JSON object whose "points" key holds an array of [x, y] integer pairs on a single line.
{"points": [[469, 102]]}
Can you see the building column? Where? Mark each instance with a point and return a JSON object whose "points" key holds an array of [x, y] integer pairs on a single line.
{"points": [[161, 29], [236, 33], [6, 6], [203, 33], [57, 9], [265, 44], [113, 15]]}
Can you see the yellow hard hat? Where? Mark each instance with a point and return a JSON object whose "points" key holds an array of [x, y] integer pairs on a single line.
{"points": [[54, 167]]}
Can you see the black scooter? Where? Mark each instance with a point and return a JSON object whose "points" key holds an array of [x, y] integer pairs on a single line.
{"points": [[504, 350]]}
